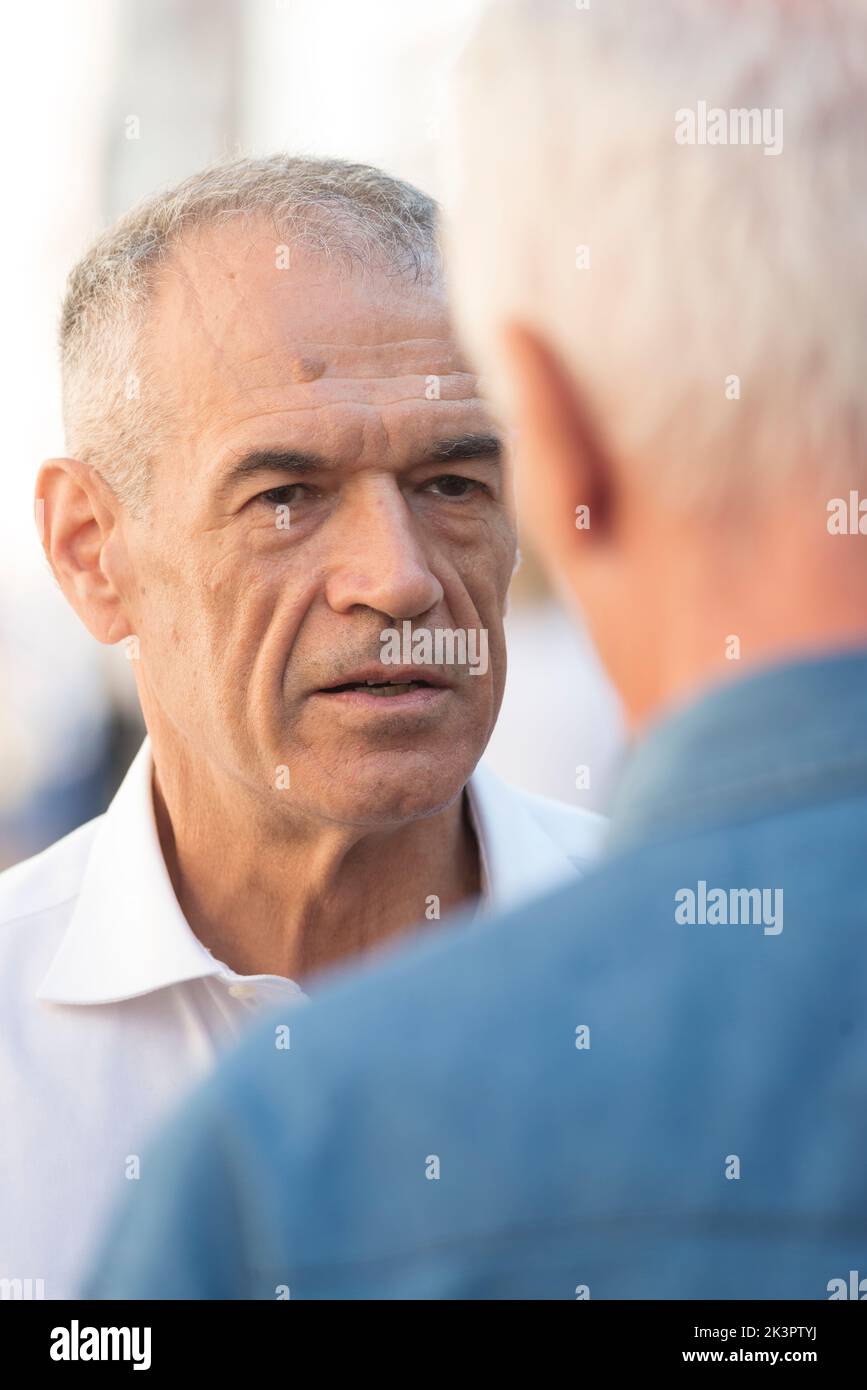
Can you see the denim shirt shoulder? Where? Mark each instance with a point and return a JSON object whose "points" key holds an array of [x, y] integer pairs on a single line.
{"points": [[788, 736]]}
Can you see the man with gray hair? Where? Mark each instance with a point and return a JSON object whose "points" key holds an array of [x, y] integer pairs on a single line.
{"points": [[278, 460], [670, 1102]]}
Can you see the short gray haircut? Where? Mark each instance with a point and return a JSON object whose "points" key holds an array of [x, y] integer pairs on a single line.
{"points": [[704, 263], [114, 417]]}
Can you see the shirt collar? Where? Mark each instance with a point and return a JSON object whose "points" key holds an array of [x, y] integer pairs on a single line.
{"points": [[783, 736], [518, 859], [127, 935]]}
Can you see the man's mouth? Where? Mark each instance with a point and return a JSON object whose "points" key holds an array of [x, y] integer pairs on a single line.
{"points": [[381, 688], [408, 688]]}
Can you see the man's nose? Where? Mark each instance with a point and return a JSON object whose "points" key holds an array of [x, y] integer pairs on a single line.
{"points": [[378, 560]]}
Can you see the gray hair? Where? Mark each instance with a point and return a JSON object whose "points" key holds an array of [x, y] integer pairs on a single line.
{"points": [[709, 295], [113, 416]]}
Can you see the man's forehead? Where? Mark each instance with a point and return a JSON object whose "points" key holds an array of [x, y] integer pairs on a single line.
{"points": [[314, 356], [234, 297]]}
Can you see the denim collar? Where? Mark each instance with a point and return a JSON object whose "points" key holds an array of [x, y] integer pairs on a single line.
{"points": [[782, 737]]}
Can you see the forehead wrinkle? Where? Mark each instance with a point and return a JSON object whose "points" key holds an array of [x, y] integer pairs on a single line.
{"points": [[342, 355], [196, 316], [315, 408], [351, 433], [223, 390], [386, 342], [347, 364], [280, 390], [411, 384], [331, 417]]}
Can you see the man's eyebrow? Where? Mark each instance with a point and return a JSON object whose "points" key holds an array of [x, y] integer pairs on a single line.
{"points": [[464, 446], [295, 461], [259, 461]]}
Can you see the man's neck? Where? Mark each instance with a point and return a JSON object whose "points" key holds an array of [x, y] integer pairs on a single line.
{"points": [[774, 588], [291, 899]]}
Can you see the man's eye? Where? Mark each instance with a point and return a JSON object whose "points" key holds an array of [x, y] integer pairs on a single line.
{"points": [[285, 495], [452, 485]]}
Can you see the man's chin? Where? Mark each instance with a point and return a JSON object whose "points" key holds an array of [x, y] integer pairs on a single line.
{"points": [[382, 791]]}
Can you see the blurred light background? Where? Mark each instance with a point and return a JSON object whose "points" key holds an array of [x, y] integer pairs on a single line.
{"points": [[204, 79]]}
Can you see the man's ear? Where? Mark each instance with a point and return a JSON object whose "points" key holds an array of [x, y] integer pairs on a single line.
{"points": [[565, 483], [78, 515]]}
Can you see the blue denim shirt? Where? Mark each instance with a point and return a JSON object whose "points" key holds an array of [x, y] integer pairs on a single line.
{"points": [[650, 1085]]}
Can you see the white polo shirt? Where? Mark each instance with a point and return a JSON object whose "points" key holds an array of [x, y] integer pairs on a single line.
{"points": [[110, 1006]]}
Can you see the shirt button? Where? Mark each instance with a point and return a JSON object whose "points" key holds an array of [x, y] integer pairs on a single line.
{"points": [[242, 991]]}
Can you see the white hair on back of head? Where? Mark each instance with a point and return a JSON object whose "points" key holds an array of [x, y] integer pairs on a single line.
{"points": [[115, 418], [706, 261]]}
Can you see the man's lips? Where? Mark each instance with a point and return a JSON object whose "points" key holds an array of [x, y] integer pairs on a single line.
{"points": [[389, 682]]}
